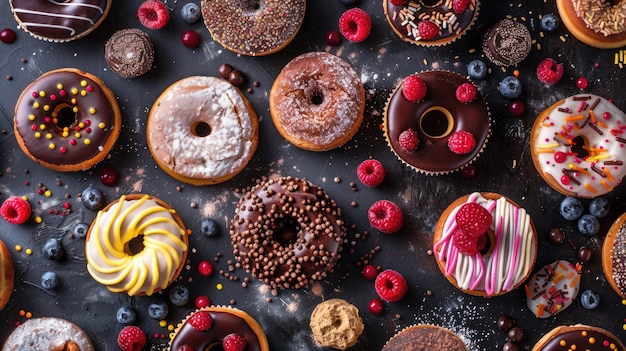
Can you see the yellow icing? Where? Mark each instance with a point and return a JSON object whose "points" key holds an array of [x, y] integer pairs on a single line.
{"points": [[147, 271]]}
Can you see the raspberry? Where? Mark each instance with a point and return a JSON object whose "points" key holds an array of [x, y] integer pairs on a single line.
{"points": [[201, 321], [409, 140], [398, 2], [464, 242], [371, 173], [427, 29], [234, 342], [355, 24], [390, 285], [413, 88], [459, 6], [385, 216], [466, 92], [131, 338], [15, 210], [549, 71], [461, 142], [473, 219], [153, 14]]}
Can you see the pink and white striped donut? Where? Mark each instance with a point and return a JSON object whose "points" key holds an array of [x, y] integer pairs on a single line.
{"points": [[507, 260], [59, 20]]}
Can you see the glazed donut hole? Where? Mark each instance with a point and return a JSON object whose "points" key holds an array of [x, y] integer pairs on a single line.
{"points": [[436, 122]]}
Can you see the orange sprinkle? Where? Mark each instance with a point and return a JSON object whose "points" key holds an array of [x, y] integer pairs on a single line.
{"points": [[574, 282], [608, 174], [576, 168], [569, 276], [22, 313], [590, 188], [606, 185], [563, 265], [602, 124], [540, 151], [516, 73], [527, 288], [593, 116], [188, 231], [29, 315], [540, 308], [573, 118]]}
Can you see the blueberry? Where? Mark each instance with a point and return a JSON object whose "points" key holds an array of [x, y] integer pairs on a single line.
{"points": [[49, 281], [599, 207], [549, 22], [571, 208], [588, 225], [92, 198], [53, 249], [126, 315], [476, 69], [590, 299], [511, 87], [179, 295], [190, 12], [80, 230], [158, 309], [208, 227]]}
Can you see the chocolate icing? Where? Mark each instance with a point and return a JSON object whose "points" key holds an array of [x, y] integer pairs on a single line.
{"points": [[298, 226], [59, 20], [602, 341], [224, 323], [438, 11], [433, 155], [129, 53], [507, 43], [70, 149]]}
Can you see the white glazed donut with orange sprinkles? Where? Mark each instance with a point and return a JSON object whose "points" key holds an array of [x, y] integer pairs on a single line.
{"points": [[578, 145], [67, 120]]}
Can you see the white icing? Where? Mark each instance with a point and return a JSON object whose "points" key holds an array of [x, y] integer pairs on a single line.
{"points": [[509, 262], [215, 102], [552, 289], [602, 142]]}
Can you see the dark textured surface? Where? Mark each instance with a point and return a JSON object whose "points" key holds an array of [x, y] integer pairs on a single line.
{"points": [[382, 61]]}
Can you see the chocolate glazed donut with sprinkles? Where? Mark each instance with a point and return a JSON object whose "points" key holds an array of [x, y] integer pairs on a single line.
{"points": [[67, 120], [287, 233]]}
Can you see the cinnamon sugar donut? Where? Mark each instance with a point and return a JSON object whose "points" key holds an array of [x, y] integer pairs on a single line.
{"points": [[7, 275], [215, 132], [253, 28], [317, 101], [597, 23]]}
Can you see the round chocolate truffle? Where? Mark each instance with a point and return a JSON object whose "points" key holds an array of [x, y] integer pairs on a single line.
{"points": [[129, 53], [507, 43]]}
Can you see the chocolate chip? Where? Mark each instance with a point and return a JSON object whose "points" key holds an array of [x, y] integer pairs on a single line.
{"points": [[517, 334], [505, 323], [236, 78], [556, 236], [585, 254], [225, 70]]}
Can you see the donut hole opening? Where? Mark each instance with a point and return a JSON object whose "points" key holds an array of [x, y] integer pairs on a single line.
{"points": [[64, 117], [436, 122], [316, 97], [201, 129], [216, 346], [579, 147], [286, 232], [250, 5], [490, 236], [431, 3], [134, 246]]}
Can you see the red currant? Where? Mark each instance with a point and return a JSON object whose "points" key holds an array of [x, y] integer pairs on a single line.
{"points": [[582, 83], [109, 177], [370, 272], [333, 38], [205, 268], [190, 38], [202, 301], [375, 306], [7, 36], [469, 172], [517, 108]]}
